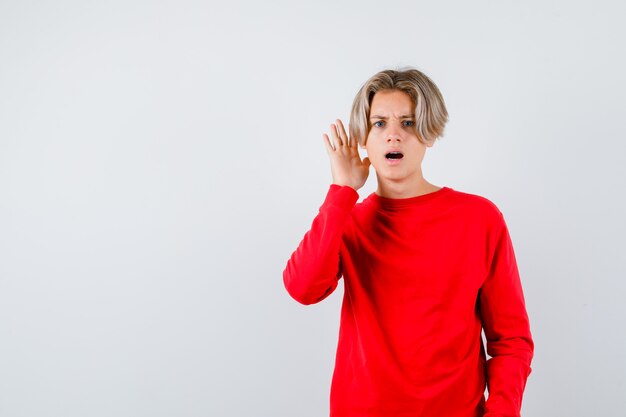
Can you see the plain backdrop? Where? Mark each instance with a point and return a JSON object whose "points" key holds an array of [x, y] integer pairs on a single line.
{"points": [[160, 161]]}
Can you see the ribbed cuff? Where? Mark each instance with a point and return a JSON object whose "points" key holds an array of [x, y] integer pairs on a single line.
{"points": [[341, 196]]}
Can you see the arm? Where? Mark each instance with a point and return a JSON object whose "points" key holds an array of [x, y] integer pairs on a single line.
{"points": [[314, 268], [507, 330]]}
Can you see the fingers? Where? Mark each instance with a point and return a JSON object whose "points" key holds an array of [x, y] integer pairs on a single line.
{"points": [[327, 143], [336, 136], [343, 134], [339, 137]]}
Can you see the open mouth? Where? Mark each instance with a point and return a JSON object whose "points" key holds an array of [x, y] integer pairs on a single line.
{"points": [[394, 155]]}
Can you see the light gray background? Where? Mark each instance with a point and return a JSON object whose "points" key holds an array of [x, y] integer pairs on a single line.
{"points": [[160, 161]]}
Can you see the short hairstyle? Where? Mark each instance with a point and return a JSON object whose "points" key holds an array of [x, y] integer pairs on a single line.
{"points": [[430, 109]]}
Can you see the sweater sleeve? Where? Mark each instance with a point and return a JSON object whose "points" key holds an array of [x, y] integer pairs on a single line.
{"points": [[507, 330], [314, 269]]}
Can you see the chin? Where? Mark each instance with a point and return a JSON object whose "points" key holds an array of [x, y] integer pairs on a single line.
{"points": [[390, 176]]}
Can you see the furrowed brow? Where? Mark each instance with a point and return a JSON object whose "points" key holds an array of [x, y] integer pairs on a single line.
{"points": [[404, 116]]}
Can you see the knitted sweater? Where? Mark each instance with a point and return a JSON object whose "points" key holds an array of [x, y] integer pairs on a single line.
{"points": [[423, 276]]}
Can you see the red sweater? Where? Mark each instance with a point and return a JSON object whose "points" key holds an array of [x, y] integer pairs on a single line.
{"points": [[422, 277]]}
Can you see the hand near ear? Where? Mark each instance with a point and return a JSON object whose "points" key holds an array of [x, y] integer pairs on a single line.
{"points": [[346, 165]]}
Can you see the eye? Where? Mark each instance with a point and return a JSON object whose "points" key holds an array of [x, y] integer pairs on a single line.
{"points": [[408, 123], [379, 123]]}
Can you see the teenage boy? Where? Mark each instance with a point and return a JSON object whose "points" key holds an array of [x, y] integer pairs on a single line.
{"points": [[425, 270]]}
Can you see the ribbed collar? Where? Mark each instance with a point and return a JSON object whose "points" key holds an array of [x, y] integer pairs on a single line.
{"points": [[393, 204]]}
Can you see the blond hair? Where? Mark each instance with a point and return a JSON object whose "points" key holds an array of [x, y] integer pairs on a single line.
{"points": [[430, 109]]}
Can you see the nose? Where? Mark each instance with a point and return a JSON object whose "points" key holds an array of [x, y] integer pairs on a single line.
{"points": [[393, 133]]}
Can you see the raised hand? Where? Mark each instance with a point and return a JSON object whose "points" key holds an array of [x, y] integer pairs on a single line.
{"points": [[346, 165]]}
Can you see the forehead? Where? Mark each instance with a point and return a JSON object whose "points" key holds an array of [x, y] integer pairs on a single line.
{"points": [[391, 102]]}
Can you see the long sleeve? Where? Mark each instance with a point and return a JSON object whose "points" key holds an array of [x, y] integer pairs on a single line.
{"points": [[314, 269], [507, 329]]}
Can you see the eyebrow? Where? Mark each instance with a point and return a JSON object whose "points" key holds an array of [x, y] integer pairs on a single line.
{"points": [[404, 116]]}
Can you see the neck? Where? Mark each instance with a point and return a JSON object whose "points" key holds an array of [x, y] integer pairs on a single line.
{"points": [[405, 189]]}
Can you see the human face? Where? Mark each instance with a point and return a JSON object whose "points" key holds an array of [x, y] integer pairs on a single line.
{"points": [[392, 145]]}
